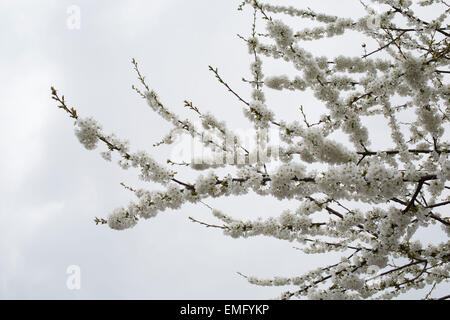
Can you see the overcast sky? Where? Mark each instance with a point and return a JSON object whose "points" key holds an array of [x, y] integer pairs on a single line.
{"points": [[51, 187]]}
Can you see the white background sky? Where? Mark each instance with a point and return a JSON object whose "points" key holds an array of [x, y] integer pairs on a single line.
{"points": [[51, 188]]}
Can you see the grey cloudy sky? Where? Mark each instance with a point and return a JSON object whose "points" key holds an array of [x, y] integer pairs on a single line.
{"points": [[51, 188]]}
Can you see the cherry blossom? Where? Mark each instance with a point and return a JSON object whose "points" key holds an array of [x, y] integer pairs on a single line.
{"points": [[365, 203]]}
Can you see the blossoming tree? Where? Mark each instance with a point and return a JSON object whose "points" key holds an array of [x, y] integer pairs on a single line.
{"points": [[364, 202]]}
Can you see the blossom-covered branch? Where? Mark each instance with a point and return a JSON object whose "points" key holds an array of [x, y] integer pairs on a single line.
{"points": [[363, 200]]}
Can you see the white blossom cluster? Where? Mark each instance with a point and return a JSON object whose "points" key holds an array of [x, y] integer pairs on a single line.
{"points": [[365, 203], [87, 131]]}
